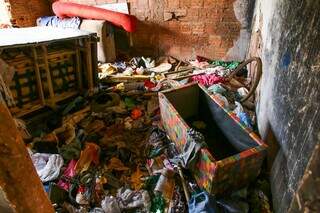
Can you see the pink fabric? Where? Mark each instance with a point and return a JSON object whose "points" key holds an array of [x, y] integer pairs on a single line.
{"points": [[68, 173], [207, 79]]}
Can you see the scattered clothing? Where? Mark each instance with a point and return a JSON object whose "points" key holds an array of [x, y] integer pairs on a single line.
{"points": [[227, 64], [129, 199], [165, 83], [207, 79], [217, 88], [68, 173], [110, 205], [242, 115], [164, 67], [89, 155], [55, 21], [158, 204]]}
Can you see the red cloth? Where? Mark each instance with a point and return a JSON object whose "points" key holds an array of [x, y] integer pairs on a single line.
{"points": [[149, 85], [67, 9], [207, 79]]}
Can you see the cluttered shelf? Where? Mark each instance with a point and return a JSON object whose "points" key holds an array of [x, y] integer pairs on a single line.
{"points": [[46, 67]]}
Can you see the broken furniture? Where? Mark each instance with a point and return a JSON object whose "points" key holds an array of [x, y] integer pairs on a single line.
{"points": [[105, 31], [234, 153], [50, 65]]}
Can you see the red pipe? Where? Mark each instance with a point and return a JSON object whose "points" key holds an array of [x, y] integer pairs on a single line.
{"points": [[67, 9]]}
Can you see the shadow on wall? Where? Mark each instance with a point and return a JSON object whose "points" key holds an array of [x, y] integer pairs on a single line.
{"points": [[142, 44], [273, 147]]}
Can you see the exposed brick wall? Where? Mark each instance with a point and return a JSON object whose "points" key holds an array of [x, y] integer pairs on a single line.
{"points": [[206, 27], [25, 12], [199, 27]]}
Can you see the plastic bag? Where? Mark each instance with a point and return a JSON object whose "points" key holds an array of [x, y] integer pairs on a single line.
{"points": [[202, 202]]}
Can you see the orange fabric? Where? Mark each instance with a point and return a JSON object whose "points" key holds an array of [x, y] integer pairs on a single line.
{"points": [[136, 113], [89, 155]]}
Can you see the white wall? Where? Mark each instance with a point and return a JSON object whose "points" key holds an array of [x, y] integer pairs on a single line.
{"points": [[5, 15]]}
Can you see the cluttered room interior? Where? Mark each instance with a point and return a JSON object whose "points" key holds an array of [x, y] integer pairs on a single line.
{"points": [[159, 106]]}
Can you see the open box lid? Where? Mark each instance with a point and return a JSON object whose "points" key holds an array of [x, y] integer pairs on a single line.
{"points": [[241, 137]]}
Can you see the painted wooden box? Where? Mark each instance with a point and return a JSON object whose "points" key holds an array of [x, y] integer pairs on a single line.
{"points": [[234, 154]]}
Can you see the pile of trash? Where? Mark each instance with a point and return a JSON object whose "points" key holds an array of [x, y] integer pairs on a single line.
{"points": [[149, 75], [103, 157], [97, 156], [108, 152], [136, 66]]}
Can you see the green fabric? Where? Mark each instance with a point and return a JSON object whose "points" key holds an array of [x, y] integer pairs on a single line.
{"points": [[158, 204], [217, 88], [151, 182], [129, 102], [227, 64], [156, 152]]}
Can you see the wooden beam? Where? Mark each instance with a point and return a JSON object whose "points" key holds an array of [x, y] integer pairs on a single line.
{"points": [[89, 65], [94, 58], [48, 74], [78, 66], [38, 75], [18, 178]]}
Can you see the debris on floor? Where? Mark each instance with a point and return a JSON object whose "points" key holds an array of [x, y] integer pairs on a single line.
{"points": [[110, 153]]}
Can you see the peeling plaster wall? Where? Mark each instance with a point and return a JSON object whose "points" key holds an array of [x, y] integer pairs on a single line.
{"points": [[243, 10], [286, 35]]}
